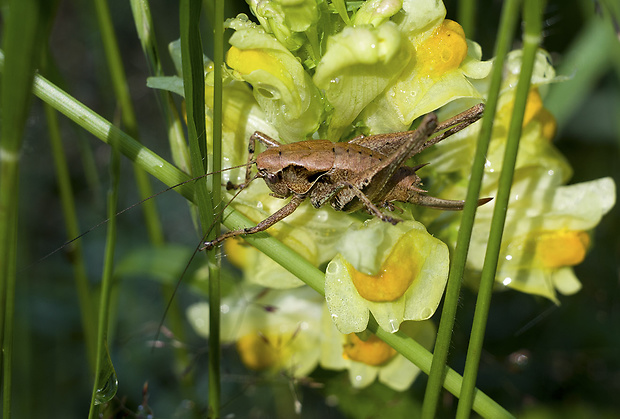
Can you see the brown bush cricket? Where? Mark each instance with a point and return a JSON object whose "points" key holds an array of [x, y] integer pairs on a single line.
{"points": [[365, 172]]}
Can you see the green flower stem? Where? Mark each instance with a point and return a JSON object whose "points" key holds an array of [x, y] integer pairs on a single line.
{"points": [[71, 221], [128, 115], [146, 33], [194, 85], [22, 26], [532, 13], [467, 17], [102, 368], [417, 354], [216, 181], [507, 26], [232, 219]]}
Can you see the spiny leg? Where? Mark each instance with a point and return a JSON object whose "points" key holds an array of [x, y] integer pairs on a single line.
{"points": [[468, 117], [372, 208], [456, 123], [279, 215], [441, 204]]}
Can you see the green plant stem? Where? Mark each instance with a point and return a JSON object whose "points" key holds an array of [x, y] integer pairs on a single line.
{"points": [[280, 253], [23, 25], [467, 17], [194, 85], [180, 156], [444, 335], [106, 286], [216, 181], [532, 13], [128, 115], [77, 259]]}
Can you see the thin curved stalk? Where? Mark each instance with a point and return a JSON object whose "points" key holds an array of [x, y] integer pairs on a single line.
{"points": [[194, 85], [216, 181], [22, 26], [104, 366], [180, 156], [128, 116], [467, 17], [87, 314], [532, 13], [444, 335]]}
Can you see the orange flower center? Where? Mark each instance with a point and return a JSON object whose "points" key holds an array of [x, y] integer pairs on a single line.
{"points": [[395, 276], [372, 351], [443, 51]]}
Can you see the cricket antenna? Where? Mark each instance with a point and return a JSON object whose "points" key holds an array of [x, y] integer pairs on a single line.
{"points": [[67, 243], [218, 216]]}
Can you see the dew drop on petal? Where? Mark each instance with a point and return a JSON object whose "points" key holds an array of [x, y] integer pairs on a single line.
{"points": [[426, 313], [507, 281], [393, 326]]}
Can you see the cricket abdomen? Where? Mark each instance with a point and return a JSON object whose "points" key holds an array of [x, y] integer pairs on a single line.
{"points": [[296, 167]]}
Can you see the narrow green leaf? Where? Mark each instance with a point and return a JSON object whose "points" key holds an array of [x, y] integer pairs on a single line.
{"points": [[533, 10], [22, 25], [444, 336]]}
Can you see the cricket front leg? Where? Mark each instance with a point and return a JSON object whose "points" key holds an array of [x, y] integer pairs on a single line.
{"points": [[279, 215]]}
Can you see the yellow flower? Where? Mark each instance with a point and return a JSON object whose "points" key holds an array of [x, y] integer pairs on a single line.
{"points": [[274, 331], [545, 235], [369, 358], [410, 271]]}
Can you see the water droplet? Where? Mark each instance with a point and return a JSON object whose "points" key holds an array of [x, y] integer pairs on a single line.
{"points": [[550, 172], [426, 313], [507, 280], [393, 326], [334, 317], [107, 383], [107, 388], [508, 257], [224, 308], [332, 268], [358, 378]]}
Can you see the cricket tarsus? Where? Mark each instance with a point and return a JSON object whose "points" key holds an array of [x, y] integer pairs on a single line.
{"points": [[363, 173]]}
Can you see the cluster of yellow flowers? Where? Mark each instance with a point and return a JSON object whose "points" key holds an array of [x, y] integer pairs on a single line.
{"points": [[323, 70]]}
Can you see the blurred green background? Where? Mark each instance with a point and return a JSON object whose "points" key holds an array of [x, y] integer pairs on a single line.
{"points": [[540, 360]]}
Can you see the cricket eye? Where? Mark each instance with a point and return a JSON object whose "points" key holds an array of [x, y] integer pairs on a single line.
{"points": [[272, 177]]}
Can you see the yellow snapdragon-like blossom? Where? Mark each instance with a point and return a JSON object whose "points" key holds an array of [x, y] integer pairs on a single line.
{"points": [[443, 51], [263, 352], [372, 351], [412, 269], [396, 275], [556, 249]]}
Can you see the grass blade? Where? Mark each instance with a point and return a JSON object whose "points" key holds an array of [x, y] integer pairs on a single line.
{"points": [[444, 336], [531, 39]]}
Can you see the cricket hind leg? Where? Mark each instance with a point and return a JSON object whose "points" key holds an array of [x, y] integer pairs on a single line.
{"points": [[441, 204], [370, 207], [279, 215]]}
